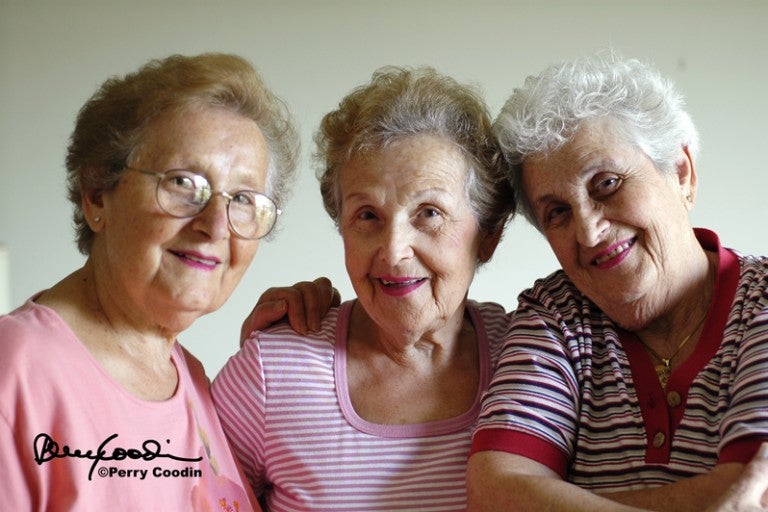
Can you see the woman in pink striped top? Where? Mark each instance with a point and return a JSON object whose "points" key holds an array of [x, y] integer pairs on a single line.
{"points": [[374, 410]]}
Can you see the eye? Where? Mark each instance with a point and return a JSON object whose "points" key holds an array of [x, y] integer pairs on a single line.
{"points": [[605, 184], [429, 217], [554, 214], [363, 220], [430, 212], [243, 198], [179, 181], [366, 214], [186, 186], [184, 180]]}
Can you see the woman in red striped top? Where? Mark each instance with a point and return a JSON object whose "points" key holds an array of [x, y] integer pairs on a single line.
{"points": [[633, 378]]}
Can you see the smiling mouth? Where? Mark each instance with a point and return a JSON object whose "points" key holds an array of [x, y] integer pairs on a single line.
{"points": [[195, 259], [401, 283], [615, 252]]}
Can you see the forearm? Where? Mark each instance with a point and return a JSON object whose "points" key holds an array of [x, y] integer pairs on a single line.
{"points": [[692, 494], [492, 487], [526, 493], [499, 482]]}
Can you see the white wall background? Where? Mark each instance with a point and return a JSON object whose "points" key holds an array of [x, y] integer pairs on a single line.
{"points": [[55, 53]]}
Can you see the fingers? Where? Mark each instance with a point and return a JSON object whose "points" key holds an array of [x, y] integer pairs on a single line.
{"points": [[335, 298], [263, 315], [305, 303], [317, 297]]}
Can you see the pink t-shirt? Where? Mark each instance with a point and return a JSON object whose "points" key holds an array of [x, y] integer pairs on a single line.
{"points": [[71, 438]]}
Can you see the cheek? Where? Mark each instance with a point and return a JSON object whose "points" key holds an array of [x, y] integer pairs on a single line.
{"points": [[356, 254], [243, 253], [564, 253], [141, 235], [240, 259], [455, 260]]}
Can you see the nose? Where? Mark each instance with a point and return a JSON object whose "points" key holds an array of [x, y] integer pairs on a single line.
{"points": [[396, 242], [213, 220], [591, 225]]}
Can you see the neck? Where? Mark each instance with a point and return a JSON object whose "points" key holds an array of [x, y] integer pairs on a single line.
{"points": [[407, 347], [678, 328], [137, 355], [96, 317]]}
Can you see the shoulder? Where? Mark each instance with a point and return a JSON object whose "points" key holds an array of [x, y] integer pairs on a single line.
{"points": [[280, 346], [31, 331], [494, 317], [555, 297], [487, 310], [746, 278], [754, 270], [29, 318], [554, 318], [38, 356], [750, 302], [555, 286], [746, 275], [282, 335]]}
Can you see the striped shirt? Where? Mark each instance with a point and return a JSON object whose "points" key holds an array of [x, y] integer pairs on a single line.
{"points": [[581, 396], [284, 403]]}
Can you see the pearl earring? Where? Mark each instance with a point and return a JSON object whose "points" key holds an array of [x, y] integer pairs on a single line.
{"points": [[97, 219]]}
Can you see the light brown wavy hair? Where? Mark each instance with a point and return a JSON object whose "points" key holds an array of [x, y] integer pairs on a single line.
{"points": [[111, 124]]}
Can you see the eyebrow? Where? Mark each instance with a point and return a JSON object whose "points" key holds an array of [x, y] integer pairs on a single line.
{"points": [[419, 195], [605, 162]]}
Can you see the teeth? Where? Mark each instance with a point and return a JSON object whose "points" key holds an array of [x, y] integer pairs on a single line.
{"points": [[200, 260], [402, 283], [618, 250]]}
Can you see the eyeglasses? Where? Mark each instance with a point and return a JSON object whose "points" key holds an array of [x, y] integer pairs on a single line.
{"points": [[182, 193]]}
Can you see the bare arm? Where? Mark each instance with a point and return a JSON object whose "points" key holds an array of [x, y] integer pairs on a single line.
{"points": [[750, 492], [499, 481], [691, 494], [305, 303]]}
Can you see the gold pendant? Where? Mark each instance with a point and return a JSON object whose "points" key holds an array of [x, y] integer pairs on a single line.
{"points": [[662, 371]]}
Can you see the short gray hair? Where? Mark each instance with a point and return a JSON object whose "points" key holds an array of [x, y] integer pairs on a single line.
{"points": [[402, 102], [547, 111]]}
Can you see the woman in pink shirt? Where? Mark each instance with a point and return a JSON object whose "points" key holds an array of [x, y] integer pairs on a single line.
{"points": [[374, 410], [175, 172]]}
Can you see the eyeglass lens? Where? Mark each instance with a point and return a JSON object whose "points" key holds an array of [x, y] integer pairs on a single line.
{"points": [[183, 193]]}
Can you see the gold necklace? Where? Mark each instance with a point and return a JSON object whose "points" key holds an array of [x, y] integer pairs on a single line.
{"points": [[663, 371]]}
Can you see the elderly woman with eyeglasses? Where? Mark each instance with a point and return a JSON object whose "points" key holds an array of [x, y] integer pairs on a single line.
{"points": [[175, 172]]}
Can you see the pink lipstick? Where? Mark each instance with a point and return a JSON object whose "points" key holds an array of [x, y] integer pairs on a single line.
{"points": [[197, 260], [400, 286], [614, 255]]}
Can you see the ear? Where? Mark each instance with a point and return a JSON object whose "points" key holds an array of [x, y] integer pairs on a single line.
{"points": [[93, 208], [686, 176], [488, 245]]}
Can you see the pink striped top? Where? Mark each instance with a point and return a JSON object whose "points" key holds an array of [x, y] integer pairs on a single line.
{"points": [[284, 403]]}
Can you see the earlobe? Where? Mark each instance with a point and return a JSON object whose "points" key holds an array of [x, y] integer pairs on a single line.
{"points": [[93, 208], [686, 175]]}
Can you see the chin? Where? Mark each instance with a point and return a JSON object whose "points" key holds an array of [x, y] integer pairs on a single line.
{"points": [[189, 311]]}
